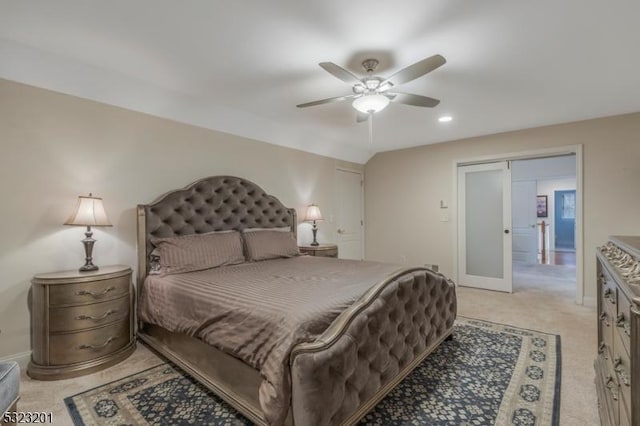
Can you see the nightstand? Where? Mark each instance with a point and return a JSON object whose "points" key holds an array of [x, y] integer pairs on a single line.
{"points": [[323, 250], [81, 322]]}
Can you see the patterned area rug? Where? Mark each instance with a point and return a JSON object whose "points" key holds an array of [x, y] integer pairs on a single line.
{"points": [[488, 374]]}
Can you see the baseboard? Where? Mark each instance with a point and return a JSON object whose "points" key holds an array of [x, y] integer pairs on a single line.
{"points": [[22, 359], [589, 302]]}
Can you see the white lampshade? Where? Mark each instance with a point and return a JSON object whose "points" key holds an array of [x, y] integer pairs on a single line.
{"points": [[89, 212], [313, 213], [370, 103]]}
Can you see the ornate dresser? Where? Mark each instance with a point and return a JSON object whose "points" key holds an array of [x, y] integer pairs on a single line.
{"points": [[618, 362], [81, 322]]}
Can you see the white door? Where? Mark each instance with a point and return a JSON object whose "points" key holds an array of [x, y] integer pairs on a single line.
{"points": [[349, 218], [525, 232], [484, 226]]}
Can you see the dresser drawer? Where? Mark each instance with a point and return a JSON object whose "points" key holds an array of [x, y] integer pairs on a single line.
{"points": [[623, 320], [622, 370], [607, 390], [609, 295], [88, 316], [82, 346], [89, 292], [606, 328], [624, 418]]}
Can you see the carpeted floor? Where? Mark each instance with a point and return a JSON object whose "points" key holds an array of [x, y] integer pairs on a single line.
{"points": [[488, 374]]}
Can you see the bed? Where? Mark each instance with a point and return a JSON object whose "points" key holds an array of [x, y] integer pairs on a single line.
{"points": [[346, 351]]}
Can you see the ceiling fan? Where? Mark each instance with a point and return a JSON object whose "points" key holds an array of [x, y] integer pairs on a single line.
{"points": [[373, 93]]}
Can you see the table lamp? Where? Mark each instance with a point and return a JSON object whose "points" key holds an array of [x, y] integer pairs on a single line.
{"points": [[313, 215], [88, 212]]}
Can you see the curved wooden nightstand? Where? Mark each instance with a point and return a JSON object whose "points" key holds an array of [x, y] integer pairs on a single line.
{"points": [[81, 322], [323, 250]]}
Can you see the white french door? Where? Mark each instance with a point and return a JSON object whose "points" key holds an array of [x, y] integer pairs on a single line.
{"points": [[484, 226]]}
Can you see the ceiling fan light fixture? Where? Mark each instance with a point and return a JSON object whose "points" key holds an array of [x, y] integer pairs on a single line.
{"points": [[371, 103]]}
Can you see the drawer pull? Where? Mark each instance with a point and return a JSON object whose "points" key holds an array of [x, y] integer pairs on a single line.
{"points": [[608, 294], [602, 347], [611, 385], [104, 345], [603, 318], [100, 318], [95, 295], [620, 322], [619, 369]]}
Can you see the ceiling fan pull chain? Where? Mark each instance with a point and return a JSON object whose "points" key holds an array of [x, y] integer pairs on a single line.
{"points": [[371, 129]]}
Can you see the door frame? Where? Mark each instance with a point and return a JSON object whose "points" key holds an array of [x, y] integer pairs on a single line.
{"points": [[528, 155], [362, 212]]}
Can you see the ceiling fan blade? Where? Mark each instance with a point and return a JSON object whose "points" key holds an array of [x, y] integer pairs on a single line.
{"points": [[362, 117], [326, 101], [340, 73], [415, 100], [416, 70]]}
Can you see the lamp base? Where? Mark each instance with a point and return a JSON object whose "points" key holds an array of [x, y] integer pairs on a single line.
{"points": [[88, 243], [315, 231], [88, 268]]}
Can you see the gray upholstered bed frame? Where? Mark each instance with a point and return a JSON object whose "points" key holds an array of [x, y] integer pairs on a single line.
{"points": [[339, 377]]}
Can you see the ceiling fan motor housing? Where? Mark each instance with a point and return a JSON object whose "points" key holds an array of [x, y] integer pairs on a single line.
{"points": [[370, 65]]}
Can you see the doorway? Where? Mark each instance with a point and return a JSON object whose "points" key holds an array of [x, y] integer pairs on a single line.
{"points": [[545, 209], [522, 235]]}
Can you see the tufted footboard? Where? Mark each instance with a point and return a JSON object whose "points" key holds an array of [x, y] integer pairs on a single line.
{"points": [[371, 347]]}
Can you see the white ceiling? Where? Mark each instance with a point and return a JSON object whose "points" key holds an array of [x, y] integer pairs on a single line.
{"points": [[242, 66]]}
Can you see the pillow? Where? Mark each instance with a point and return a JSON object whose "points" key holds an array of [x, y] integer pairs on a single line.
{"points": [[197, 252], [154, 262], [263, 245]]}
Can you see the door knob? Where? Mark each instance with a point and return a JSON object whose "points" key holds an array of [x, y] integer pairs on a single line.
{"points": [[341, 231], [506, 231]]}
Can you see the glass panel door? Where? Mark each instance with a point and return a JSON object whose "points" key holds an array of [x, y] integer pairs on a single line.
{"points": [[484, 226]]}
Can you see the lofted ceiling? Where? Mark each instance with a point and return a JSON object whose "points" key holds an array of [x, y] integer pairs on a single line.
{"points": [[242, 66]]}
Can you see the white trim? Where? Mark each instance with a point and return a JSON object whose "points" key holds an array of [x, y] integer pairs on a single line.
{"points": [[21, 358], [589, 302], [522, 155], [579, 227], [362, 205]]}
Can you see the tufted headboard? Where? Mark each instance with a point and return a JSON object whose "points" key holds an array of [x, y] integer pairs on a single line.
{"points": [[216, 203]]}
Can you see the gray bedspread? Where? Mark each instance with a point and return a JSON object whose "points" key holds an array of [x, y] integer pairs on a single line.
{"points": [[259, 311]]}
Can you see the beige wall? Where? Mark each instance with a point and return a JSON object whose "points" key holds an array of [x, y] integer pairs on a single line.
{"points": [[55, 147], [404, 189]]}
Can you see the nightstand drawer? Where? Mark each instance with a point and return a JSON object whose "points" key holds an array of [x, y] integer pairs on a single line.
{"points": [[82, 346], [89, 292], [326, 253], [322, 250], [88, 316]]}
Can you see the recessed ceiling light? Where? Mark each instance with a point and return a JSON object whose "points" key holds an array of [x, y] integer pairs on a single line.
{"points": [[445, 119]]}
